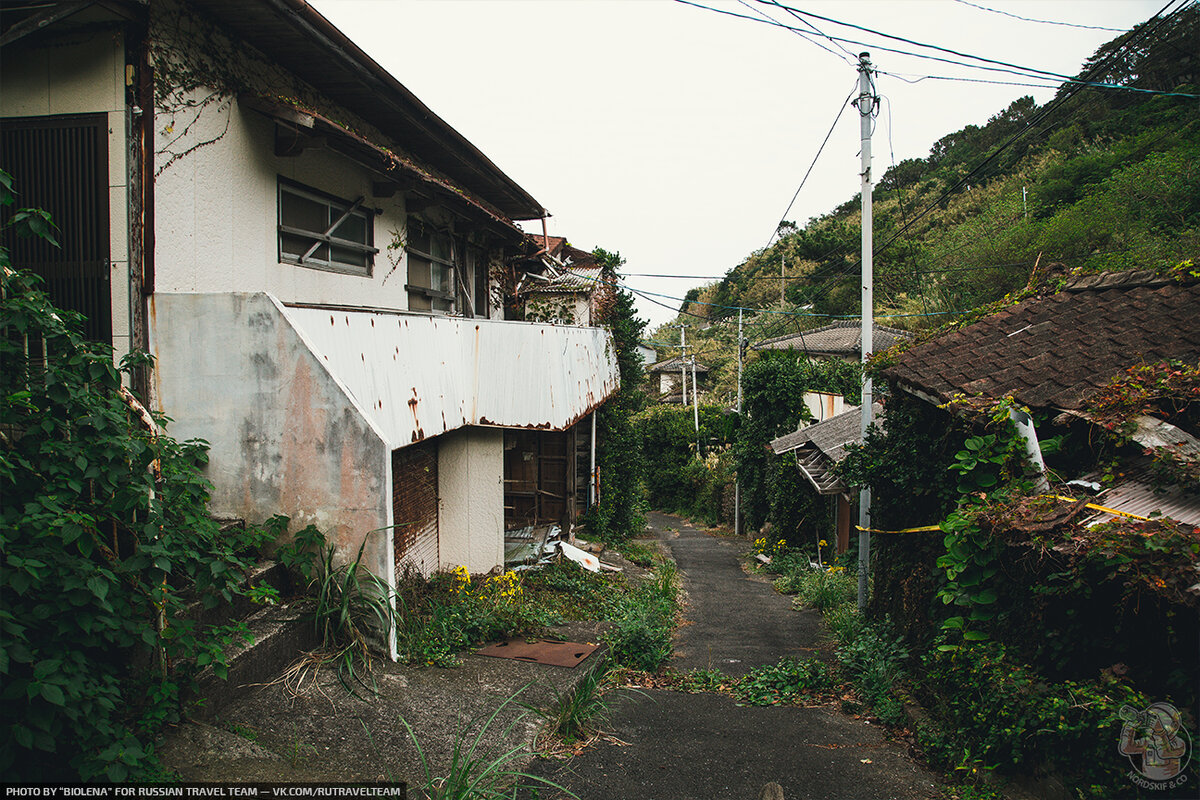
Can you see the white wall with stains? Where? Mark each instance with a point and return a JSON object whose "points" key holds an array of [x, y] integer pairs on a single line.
{"points": [[471, 498], [284, 436], [217, 212]]}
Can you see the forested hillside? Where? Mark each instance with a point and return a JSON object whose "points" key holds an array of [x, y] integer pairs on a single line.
{"points": [[1096, 179]]}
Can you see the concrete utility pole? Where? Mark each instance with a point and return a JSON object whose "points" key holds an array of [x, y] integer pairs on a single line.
{"points": [[782, 279], [695, 405], [737, 482], [866, 108], [683, 363]]}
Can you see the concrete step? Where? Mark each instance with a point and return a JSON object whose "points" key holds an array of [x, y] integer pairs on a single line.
{"points": [[279, 635]]}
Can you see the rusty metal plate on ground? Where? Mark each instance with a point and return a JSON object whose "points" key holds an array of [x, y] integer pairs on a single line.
{"points": [[541, 651]]}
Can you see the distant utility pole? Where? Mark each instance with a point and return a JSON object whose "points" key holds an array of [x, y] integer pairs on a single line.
{"points": [[866, 108], [683, 363], [737, 481], [695, 405], [782, 279]]}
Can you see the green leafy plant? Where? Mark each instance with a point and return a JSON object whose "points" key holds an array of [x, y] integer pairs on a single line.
{"points": [[105, 539], [644, 621], [352, 608], [784, 682], [819, 588], [579, 711]]}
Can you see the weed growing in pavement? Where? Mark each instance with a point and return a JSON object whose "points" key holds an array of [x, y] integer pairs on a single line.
{"points": [[475, 771], [698, 681], [578, 712], [784, 682], [773, 684], [644, 621], [819, 588]]}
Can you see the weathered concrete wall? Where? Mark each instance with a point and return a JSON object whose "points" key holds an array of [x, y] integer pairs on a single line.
{"points": [[285, 436], [471, 498], [80, 73]]}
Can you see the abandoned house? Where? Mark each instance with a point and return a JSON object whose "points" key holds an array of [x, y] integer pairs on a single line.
{"points": [[669, 378], [310, 254]]}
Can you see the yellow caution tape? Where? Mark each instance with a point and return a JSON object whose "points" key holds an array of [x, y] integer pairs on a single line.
{"points": [[1093, 506]]}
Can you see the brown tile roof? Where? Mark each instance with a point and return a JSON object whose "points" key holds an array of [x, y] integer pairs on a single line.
{"points": [[842, 338], [1056, 351]]}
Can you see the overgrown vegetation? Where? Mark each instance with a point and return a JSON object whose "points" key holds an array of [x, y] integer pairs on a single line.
{"points": [[773, 489], [681, 480], [105, 539], [352, 607], [1093, 180], [617, 514], [644, 621]]}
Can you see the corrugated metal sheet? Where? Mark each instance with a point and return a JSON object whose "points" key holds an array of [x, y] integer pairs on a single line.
{"points": [[1135, 497], [418, 376]]}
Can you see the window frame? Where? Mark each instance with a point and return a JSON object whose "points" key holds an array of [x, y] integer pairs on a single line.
{"points": [[333, 204]]}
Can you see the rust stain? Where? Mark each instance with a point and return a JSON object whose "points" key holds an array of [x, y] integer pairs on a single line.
{"points": [[331, 322]]}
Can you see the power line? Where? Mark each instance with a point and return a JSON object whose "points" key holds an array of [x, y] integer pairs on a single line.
{"points": [[1040, 21], [851, 58], [820, 150], [1048, 85], [916, 43], [801, 34], [1025, 72]]}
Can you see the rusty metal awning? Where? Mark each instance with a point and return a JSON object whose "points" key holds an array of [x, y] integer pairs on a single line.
{"points": [[554, 652]]}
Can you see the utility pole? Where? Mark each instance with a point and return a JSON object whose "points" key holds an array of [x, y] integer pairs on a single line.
{"points": [[683, 363], [695, 406], [866, 108], [737, 481], [782, 279]]}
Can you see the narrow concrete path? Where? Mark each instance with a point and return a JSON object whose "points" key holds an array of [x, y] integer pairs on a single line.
{"points": [[707, 747]]}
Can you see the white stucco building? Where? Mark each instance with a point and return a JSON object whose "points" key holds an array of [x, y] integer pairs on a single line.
{"points": [[313, 258]]}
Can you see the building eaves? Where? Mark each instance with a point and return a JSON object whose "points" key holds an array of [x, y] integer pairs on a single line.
{"points": [[829, 437], [296, 36]]}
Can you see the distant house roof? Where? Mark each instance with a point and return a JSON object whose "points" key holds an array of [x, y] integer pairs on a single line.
{"points": [[1057, 351], [842, 338], [567, 269], [830, 436], [820, 447], [675, 365]]}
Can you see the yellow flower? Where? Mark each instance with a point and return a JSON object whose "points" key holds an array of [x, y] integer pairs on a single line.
{"points": [[822, 543]]}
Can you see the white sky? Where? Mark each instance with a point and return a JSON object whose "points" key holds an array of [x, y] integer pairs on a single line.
{"points": [[677, 136]]}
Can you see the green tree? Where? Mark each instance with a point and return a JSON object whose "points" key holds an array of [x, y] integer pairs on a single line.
{"points": [[617, 516], [103, 534]]}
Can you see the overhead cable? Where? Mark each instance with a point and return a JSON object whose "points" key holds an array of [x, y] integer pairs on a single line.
{"points": [[1040, 21]]}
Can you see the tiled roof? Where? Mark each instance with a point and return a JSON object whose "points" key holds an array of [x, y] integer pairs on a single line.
{"points": [[1056, 351], [842, 338], [830, 436], [673, 365]]}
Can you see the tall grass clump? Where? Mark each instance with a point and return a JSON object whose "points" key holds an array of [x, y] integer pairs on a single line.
{"points": [[644, 621]]}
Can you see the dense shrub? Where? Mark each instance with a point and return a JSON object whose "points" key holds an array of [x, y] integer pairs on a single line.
{"points": [[104, 538]]}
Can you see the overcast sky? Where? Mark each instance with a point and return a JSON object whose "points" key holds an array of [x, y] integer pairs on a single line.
{"points": [[677, 135]]}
